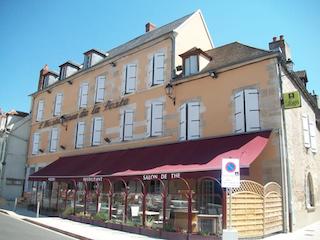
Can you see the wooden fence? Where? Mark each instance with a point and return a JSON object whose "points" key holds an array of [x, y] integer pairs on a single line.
{"points": [[256, 209]]}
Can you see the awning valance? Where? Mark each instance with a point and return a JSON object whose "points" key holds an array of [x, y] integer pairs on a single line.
{"points": [[183, 157]]}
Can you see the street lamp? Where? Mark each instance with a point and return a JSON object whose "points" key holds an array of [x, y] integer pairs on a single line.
{"points": [[169, 91]]}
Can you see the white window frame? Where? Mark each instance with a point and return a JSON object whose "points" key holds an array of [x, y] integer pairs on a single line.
{"points": [[54, 139], [80, 135], [130, 87], [156, 69], [35, 143], [189, 123], [40, 111], [57, 104], [126, 125], [100, 89], [97, 131], [155, 119], [191, 65], [83, 95]]}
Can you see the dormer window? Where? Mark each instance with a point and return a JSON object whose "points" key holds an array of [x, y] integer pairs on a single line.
{"points": [[194, 61], [49, 78], [92, 57], [67, 69]]}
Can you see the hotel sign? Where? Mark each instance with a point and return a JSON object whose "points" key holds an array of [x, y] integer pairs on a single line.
{"points": [[291, 100], [162, 176]]}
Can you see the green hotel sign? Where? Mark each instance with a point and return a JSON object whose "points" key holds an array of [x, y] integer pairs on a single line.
{"points": [[292, 100]]}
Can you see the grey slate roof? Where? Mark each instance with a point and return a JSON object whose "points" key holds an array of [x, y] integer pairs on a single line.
{"points": [[146, 37], [231, 54]]}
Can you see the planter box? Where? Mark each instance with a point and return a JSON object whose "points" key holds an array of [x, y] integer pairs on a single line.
{"points": [[200, 237], [86, 220], [174, 235], [131, 229], [98, 223], [114, 226], [150, 232]]}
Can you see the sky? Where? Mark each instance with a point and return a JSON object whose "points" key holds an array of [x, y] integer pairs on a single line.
{"points": [[38, 32]]}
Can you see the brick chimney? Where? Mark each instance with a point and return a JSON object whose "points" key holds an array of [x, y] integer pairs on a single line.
{"points": [[150, 26], [281, 45], [43, 71]]}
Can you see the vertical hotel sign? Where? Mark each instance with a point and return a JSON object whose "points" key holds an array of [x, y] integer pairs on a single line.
{"points": [[292, 100]]}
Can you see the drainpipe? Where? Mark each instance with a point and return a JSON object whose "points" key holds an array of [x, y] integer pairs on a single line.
{"points": [[3, 155], [173, 54], [285, 166]]}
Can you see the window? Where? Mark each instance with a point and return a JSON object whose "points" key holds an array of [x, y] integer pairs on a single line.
{"points": [[126, 125], [96, 131], [309, 133], [130, 77], [40, 111], [83, 95], [191, 65], [189, 121], [154, 187], [57, 105], [87, 61], [156, 69], [80, 135], [154, 119], [54, 140], [247, 112], [63, 72], [309, 192], [35, 143], [100, 89]]}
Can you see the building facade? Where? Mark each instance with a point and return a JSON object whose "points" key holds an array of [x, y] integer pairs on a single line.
{"points": [[14, 137], [165, 94]]}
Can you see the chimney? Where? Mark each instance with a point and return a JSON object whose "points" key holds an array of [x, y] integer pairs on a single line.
{"points": [[43, 71], [150, 26], [282, 46]]}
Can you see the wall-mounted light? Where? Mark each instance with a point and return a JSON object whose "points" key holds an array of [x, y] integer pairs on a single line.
{"points": [[113, 64], [213, 74], [40, 150], [169, 92], [107, 140], [49, 91], [62, 122], [63, 147], [70, 82], [179, 68]]}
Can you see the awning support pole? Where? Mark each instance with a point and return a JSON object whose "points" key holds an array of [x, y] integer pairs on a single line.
{"points": [[74, 197], [85, 197], [190, 211], [110, 198], [36, 194], [97, 195], [224, 209], [144, 197], [50, 193], [58, 193], [164, 203], [125, 206], [42, 195], [66, 198]]}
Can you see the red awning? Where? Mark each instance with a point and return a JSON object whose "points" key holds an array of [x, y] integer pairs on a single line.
{"points": [[190, 156]]}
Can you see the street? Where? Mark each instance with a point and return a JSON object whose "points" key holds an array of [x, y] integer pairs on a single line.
{"points": [[15, 229]]}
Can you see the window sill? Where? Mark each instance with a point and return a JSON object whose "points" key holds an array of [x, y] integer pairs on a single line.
{"points": [[311, 208]]}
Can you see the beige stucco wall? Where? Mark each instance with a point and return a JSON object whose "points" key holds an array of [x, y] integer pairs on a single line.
{"points": [[302, 160]]}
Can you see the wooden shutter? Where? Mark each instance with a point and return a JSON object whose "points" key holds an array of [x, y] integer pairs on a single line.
{"points": [[193, 64], [40, 110], [193, 120], [158, 69], [128, 125], [80, 135], [151, 71], [84, 95], [156, 119], [187, 66], [239, 112], [131, 78], [97, 129], [100, 89], [183, 122], [149, 122], [54, 140], [252, 111], [306, 132], [312, 129], [58, 103], [35, 143]]}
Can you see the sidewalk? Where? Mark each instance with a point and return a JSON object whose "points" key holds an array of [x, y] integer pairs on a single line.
{"points": [[74, 229]]}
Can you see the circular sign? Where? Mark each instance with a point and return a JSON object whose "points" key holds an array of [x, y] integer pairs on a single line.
{"points": [[230, 167]]}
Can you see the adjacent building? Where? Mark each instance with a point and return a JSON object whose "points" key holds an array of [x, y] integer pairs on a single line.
{"points": [[14, 138], [139, 132]]}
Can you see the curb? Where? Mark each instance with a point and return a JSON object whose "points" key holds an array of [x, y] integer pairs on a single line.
{"points": [[57, 230], [4, 212]]}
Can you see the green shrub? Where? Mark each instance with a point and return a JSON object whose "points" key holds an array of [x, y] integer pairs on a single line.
{"points": [[67, 212], [100, 216]]}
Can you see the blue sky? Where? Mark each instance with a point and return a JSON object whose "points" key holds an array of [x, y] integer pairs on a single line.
{"points": [[38, 32]]}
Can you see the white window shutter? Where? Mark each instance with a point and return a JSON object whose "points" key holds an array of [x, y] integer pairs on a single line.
{"points": [[187, 66], [151, 71], [80, 135], [131, 78], [183, 122], [128, 125], [156, 119], [54, 140], [79, 97], [239, 112], [252, 111], [97, 129], [35, 143], [193, 64], [40, 110], [193, 120], [158, 77], [313, 142], [84, 95], [58, 104], [121, 126], [149, 122], [100, 89], [306, 131]]}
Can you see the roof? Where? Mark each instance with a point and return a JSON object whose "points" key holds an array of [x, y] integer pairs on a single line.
{"points": [[302, 75], [95, 51], [194, 51], [69, 62], [183, 157], [148, 36], [233, 53], [52, 73]]}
